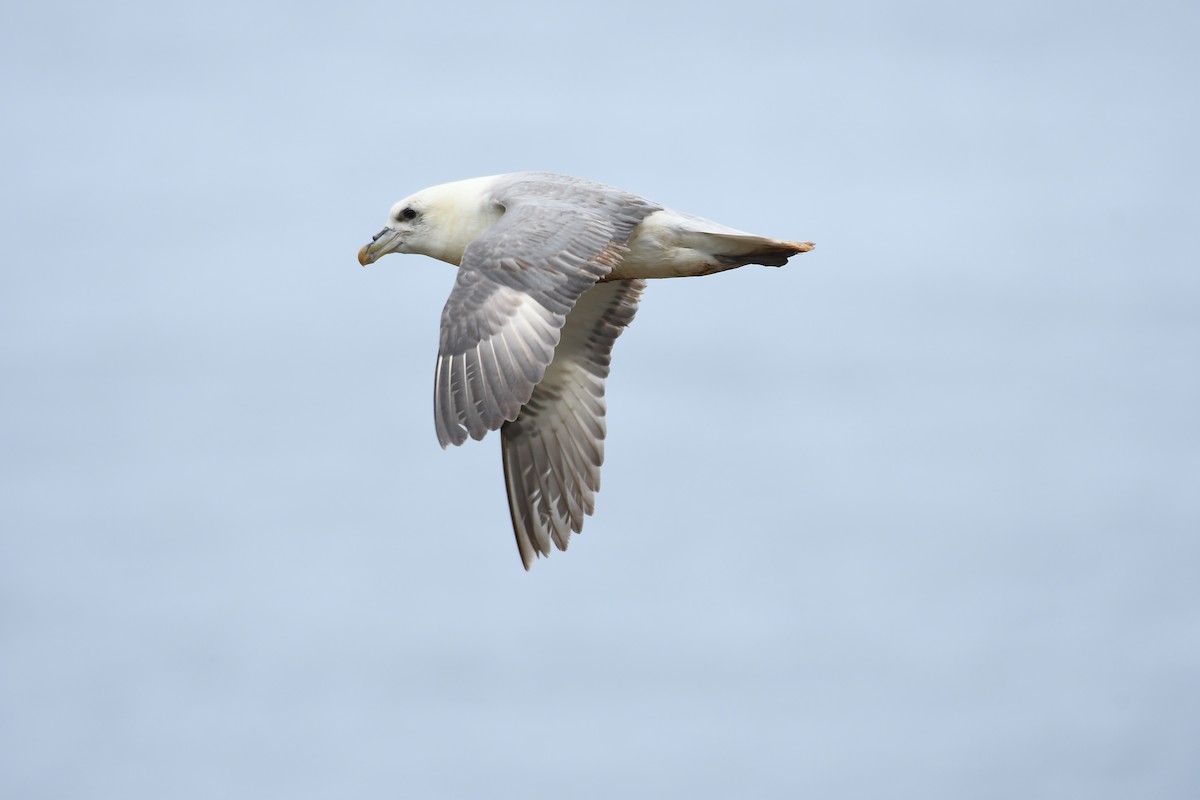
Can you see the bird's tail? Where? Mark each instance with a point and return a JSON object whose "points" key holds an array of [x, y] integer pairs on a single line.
{"points": [[739, 249]]}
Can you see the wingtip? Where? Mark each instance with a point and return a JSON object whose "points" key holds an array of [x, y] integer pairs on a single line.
{"points": [[454, 436]]}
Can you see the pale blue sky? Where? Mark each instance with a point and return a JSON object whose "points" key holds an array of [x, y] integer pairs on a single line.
{"points": [[915, 516]]}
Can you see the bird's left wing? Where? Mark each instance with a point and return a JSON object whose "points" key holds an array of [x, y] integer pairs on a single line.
{"points": [[553, 450], [516, 284]]}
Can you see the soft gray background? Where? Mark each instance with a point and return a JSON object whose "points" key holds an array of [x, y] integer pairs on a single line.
{"points": [[916, 516]]}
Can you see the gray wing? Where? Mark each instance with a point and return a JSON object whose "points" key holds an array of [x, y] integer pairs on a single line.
{"points": [[553, 450], [515, 286]]}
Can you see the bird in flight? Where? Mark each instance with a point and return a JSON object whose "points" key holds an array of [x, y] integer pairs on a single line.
{"points": [[551, 268]]}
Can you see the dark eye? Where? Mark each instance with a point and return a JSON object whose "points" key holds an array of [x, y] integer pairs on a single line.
{"points": [[408, 213]]}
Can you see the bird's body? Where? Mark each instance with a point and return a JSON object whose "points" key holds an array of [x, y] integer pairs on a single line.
{"points": [[551, 270]]}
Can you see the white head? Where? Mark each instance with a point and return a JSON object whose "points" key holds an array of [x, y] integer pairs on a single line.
{"points": [[439, 221]]}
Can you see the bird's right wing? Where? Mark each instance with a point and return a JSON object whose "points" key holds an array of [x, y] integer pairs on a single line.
{"points": [[516, 285], [554, 449]]}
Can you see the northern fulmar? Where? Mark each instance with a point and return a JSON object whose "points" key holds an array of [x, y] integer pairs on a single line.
{"points": [[551, 268]]}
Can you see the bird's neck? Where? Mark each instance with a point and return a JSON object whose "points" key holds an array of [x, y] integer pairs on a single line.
{"points": [[464, 212]]}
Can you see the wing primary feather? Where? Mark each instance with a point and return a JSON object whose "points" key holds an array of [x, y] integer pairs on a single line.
{"points": [[515, 485], [446, 421], [573, 471], [552, 489]]}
